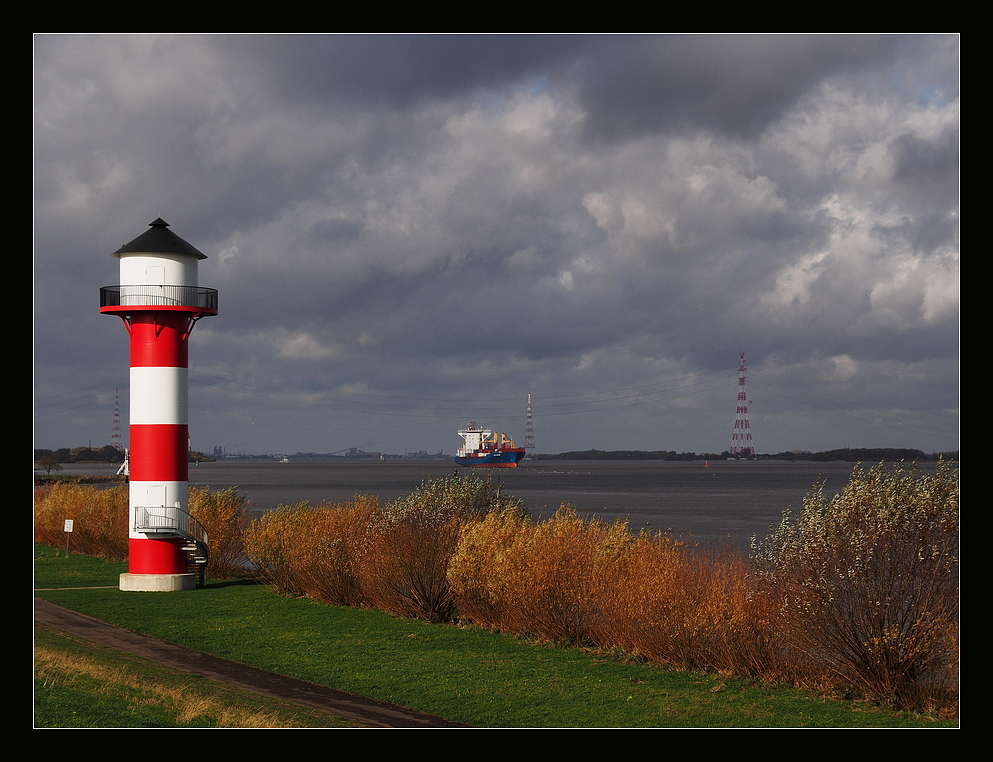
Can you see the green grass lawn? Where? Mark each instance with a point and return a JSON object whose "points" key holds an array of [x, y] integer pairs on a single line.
{"points": [[468, 675], [79, 684]]}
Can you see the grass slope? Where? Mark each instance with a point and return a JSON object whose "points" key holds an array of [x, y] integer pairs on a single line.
{"points": [[468, 675]]}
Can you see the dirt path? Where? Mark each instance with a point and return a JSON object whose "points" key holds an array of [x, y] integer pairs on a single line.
{"points": [[373, 713]]}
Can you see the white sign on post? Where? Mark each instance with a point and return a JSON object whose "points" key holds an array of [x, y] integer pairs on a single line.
{"points": [[68, 526]]}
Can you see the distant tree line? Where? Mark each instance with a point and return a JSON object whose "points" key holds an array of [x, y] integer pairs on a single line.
{"points": [[629, 455], [853, 454], [867, 455], [105, 454]]}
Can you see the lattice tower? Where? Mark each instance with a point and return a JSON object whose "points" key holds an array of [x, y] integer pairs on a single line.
{"points": [[529, 432], [741, 437], [115, 436]]}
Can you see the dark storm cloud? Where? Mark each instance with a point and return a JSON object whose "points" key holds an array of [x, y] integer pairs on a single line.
{"points": [[652, 83], [394, 70]]}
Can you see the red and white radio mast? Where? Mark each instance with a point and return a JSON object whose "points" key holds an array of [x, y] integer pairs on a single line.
{"points": [[741, 437], [529, 432], [115, 435]]}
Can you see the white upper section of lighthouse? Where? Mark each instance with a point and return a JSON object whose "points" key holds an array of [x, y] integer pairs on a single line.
{"points": [[158, 270], [146, 269]]}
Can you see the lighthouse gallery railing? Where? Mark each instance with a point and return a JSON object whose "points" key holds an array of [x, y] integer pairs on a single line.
{"points": [[171, 296]]}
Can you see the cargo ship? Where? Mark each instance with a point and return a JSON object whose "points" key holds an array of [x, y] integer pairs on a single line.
{"points": [[484, 448]]}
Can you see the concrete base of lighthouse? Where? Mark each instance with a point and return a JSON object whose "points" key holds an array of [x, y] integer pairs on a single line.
{"points": [[158, 583]]}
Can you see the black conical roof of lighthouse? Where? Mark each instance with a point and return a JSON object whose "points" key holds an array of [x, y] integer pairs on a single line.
{"points": [[159, 240]]}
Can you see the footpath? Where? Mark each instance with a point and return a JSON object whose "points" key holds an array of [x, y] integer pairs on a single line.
{"points": [[375, 714]]}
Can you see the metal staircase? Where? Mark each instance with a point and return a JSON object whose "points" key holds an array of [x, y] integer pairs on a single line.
{"points": [[184, 527]]}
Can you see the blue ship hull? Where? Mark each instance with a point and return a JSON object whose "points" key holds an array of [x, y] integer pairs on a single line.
{"points": [[493, 459]]}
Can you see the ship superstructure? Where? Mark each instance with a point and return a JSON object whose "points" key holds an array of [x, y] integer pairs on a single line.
{"points": [[487, 449]]}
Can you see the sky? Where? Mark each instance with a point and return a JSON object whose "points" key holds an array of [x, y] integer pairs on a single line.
{"points": [[411, 232]]}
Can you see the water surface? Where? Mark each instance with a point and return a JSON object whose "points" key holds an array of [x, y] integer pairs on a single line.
{"points": [[707, 500]]}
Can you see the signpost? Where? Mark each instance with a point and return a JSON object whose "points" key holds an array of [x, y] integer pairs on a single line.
{"points": [[67, 528]]}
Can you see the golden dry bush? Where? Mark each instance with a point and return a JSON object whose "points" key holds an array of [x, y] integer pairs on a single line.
{"points": [[224, 515], [644, 604], [479, 571], [99, 516], [539, 579], [737, 619], [404, 565], [567, 558], [271, 541], [685, 606], [329, 550], [307, 550]]}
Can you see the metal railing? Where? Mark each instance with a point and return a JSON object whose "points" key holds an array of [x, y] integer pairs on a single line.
{"points": [[170, 296], [181, 524]]}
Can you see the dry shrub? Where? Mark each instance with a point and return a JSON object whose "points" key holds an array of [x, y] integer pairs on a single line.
{"points": [[537, 579], [312, 551], [224, 515], [404, 564], [869, 583], [270, 543], [100, 519], [330, 548], [686, 606], [480, 571]]}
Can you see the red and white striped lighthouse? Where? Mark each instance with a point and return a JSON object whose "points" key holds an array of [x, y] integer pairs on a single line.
{"points": [[159, 301]]}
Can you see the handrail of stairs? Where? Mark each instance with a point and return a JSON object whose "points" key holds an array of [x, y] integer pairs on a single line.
{"points": [[149, 522]]}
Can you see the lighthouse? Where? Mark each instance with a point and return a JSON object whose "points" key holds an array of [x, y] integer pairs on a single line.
{"points": [[159, 301]]}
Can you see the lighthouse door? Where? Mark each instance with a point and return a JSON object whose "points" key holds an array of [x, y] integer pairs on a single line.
{"points": [[155, 496]]}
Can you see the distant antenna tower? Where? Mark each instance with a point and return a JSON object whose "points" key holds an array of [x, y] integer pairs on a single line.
{"points": [[115, 436], [741, 438], [529, 432]]}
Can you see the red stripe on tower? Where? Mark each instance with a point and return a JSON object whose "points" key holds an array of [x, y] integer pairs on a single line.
{"points": [[159, 301]]}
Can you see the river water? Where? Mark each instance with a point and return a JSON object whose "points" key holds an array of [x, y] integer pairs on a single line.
{"points": [[709, 501]]}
